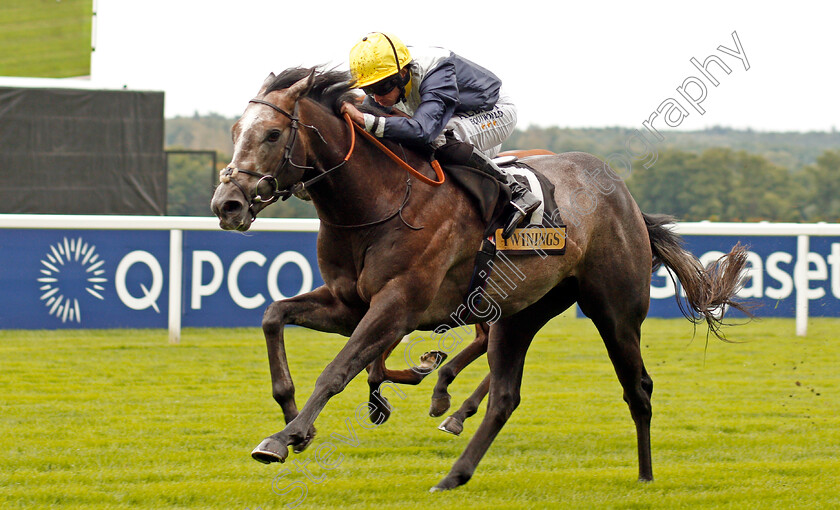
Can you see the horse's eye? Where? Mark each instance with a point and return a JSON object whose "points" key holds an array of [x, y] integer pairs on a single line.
{"points": [[273, 135]]}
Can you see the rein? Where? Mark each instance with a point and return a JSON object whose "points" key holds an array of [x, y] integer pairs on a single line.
{"points": [[388, 152], [228, 174]]}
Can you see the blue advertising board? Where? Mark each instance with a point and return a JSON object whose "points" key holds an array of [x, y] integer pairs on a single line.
{"points": [[65, 278], [773, 269], [83, 279], [229, 279]]}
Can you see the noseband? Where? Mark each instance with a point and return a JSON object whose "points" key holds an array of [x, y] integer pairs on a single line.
{"points": [[228, 174]]}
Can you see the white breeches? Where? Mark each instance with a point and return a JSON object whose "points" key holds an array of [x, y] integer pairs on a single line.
{"points": [[485, 130]]}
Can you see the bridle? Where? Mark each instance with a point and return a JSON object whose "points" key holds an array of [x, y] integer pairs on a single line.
{"points": [[228, 174]]}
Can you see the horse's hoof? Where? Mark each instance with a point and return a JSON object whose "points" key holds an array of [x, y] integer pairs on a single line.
{"points": [[270, 450], [452, 425], [429, 361], [450, 482], [299, 447], [379, 411], [439, 406]]}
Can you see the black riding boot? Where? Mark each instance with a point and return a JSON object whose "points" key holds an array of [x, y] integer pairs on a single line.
{"points": [[523, 201]]}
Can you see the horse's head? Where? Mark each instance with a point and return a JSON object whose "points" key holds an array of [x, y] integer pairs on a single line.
{"points": [[261, 168]]}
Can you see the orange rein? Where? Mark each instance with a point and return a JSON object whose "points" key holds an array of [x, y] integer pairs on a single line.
{"points": [[435, 165]]}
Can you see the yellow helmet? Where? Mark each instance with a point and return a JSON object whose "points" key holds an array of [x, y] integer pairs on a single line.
{"points": [[377, 56]]}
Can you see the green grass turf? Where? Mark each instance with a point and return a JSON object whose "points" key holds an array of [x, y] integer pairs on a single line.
{"points": [[45, 38], [121, 419]]}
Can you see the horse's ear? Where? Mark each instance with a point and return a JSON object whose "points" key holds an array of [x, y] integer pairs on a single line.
{"points": [[268, 81], [303, 86]]}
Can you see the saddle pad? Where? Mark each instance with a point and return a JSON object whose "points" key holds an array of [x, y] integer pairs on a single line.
{"points": [[544, 229], [539, 186]]}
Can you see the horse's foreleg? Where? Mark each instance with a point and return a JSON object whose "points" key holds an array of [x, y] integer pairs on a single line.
{"points": [[379, 329], [429, 361], [318, 310], [440, 396]]}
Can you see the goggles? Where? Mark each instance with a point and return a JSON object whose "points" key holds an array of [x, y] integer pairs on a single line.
{"points": [[383, 87]]}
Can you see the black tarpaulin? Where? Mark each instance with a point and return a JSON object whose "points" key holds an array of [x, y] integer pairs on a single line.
{"points": [[71, 151]]}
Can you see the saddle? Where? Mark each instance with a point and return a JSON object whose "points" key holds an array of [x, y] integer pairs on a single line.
{"points": [[491, 197]]}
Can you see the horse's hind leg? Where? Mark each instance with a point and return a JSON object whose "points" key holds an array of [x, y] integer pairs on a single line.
{"points": [[454, 423], [440, 396], [508, 342], [378, 373], [507, 345], [625, 353], [506, 351], [619, 321]]}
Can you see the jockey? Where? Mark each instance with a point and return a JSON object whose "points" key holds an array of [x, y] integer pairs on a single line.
{"points": [[443, 100]]}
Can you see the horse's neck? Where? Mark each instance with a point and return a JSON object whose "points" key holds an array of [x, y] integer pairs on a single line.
{"points": [[364, 188]]}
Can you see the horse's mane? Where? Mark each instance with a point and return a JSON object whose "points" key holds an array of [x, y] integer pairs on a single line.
{"points": [[329, 88]]}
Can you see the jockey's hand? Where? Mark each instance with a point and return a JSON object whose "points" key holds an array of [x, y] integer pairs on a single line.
{"points": [[355, 115]]}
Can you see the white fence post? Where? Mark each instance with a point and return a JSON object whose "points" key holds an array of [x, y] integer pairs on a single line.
{"points": [[176, 260], [800, 278]]}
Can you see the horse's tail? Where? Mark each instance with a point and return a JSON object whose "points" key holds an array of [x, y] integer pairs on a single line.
{"points": [[708, 290]]}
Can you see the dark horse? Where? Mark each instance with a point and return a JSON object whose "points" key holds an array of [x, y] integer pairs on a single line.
{"points": [[397, 255]]}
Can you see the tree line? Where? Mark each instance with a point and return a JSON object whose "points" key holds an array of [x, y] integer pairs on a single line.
{"points": [[725, 185], [717, 174]]}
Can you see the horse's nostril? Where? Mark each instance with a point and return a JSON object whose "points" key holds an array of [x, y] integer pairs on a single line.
{"points": [[231, 207]]}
